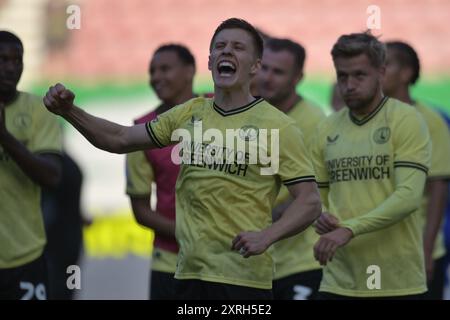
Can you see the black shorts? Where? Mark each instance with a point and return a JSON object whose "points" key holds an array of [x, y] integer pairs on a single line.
{"points": [[162, 286], [299, 286], [332, 296], [204, 290], [27, 282]]}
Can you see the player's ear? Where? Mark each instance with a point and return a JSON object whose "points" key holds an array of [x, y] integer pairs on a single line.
{"points": [[209, 63], [255, 67]]}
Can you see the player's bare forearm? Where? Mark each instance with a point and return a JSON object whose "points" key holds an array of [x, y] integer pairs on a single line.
{"points": [[151, 219], [437, 191], [44, 170], [103, 134], [279, 209], [107, 135], [301, 213]]}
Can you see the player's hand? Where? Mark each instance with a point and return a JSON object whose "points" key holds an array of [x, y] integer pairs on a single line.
{"points": [[250, 243], [58, 99], [327, 245], [326, 223]]}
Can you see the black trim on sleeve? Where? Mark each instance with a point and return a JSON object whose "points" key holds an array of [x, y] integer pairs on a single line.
{"points": [[137, 195], [439, 177], [408, 164], [152, 135], [323, 184], [290, 182]]}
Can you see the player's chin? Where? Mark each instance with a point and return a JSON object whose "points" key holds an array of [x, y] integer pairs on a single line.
{"points": [[225, 82], [354, 104], [164, 95]]}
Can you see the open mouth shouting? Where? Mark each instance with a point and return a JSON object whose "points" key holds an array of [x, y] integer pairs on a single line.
{"points": [[226, 68]]}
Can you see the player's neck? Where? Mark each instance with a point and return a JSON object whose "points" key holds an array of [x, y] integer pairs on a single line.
{"points": [[232, 99], [179, 99], [287, 103], [362, 112], [403, 95]]}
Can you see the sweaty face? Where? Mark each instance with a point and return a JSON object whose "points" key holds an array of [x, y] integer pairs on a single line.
{"points": [[232, 59], [277, 77], [358, 81], [11, 67], [392, 78], [169, 77]]}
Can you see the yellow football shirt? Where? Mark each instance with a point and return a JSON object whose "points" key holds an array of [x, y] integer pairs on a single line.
{"points": [[218, 200], [360, 161], [22, 235], [140, 176], [440, 161], [295, 254]]}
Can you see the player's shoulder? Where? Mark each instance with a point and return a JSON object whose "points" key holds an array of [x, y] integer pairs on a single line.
{"points": [[26, 99], [311, 106], [335, 119], [397, 112], [431, 116], [397, 108], [196, 104], [31, 104], [272, 115], [307, 108], [30, 96]]}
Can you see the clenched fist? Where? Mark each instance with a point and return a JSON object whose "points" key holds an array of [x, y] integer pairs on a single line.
{"points": [[326, 223], [58, 99]]}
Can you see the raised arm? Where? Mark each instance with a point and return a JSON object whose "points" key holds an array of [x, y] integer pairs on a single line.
{"points": [[103, 134]]}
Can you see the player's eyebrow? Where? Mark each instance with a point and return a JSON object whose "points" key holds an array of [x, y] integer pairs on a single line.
{"points": [[238, 42], [233, 42]]}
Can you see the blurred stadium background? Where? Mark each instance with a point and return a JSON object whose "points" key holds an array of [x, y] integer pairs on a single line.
{"points": [[105, 62]]}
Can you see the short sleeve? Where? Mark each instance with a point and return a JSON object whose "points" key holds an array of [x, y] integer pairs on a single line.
{"points": [[162, 127], [139, 174], [412, 143], [295, 163]]}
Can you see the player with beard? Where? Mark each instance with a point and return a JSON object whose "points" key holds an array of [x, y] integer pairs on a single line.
{"points": [[371, 162]]}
